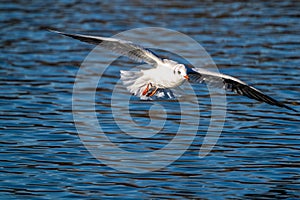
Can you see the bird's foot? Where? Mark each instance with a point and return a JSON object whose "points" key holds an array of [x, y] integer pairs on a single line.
{"points": [[146, 89], [150, 90]]}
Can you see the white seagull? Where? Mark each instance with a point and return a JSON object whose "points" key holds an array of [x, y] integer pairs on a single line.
{"points": [[168, 74]]}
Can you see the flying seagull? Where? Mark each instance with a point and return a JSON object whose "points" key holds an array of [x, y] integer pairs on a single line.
{"points": [[168, 74]]}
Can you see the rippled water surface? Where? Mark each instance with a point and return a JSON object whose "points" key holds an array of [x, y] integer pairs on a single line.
{"points": [[43, 155]]}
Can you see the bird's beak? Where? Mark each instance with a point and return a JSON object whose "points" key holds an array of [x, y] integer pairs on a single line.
{"points": [[186, 77]]}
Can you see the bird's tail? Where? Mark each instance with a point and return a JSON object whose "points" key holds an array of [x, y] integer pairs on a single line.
{"points": [[134, 82]]}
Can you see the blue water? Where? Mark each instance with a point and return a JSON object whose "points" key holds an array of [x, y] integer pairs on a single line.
{"points": [[42, 155]]}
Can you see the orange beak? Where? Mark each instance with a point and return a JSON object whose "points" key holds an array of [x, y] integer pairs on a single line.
{"points": [[186, 77]]}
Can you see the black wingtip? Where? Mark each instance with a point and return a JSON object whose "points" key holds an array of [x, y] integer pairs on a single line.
{"points": [[59, 32], [283, 105], [287, 107], [53, 30], [84, 38]]}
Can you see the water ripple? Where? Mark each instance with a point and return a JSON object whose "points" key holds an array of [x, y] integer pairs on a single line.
{"points": [[42, 156]]}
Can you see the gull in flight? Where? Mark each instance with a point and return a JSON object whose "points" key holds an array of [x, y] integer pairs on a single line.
{"points": [[168, 74]]}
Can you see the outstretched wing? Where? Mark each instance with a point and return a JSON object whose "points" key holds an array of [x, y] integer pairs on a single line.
{"points": [[126, 48], [232, 84]]}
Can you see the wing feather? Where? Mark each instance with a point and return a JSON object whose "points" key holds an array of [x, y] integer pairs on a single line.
{"points": [[232, 84], [126, 48]]}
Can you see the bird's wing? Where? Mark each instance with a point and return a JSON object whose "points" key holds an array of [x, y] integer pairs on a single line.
{"points": [[126, 48], [232, 84]]}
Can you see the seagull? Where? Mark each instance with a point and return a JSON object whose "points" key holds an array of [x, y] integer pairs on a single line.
{"points": [[168, 74]]}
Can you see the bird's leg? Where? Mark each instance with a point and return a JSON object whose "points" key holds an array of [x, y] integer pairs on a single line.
{"points": [[146, 89], [151, 93]]}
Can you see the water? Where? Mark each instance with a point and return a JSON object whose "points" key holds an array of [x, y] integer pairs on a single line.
{"points": [[42, 155]]}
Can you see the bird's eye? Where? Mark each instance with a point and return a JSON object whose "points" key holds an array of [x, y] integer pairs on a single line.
{"points": [[179, 72]]}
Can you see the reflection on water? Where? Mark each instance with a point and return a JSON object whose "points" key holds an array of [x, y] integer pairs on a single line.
{"points": [[42, 156]]}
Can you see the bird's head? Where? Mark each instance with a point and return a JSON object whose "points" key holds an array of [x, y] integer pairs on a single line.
{"points": [[181, 72]]}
